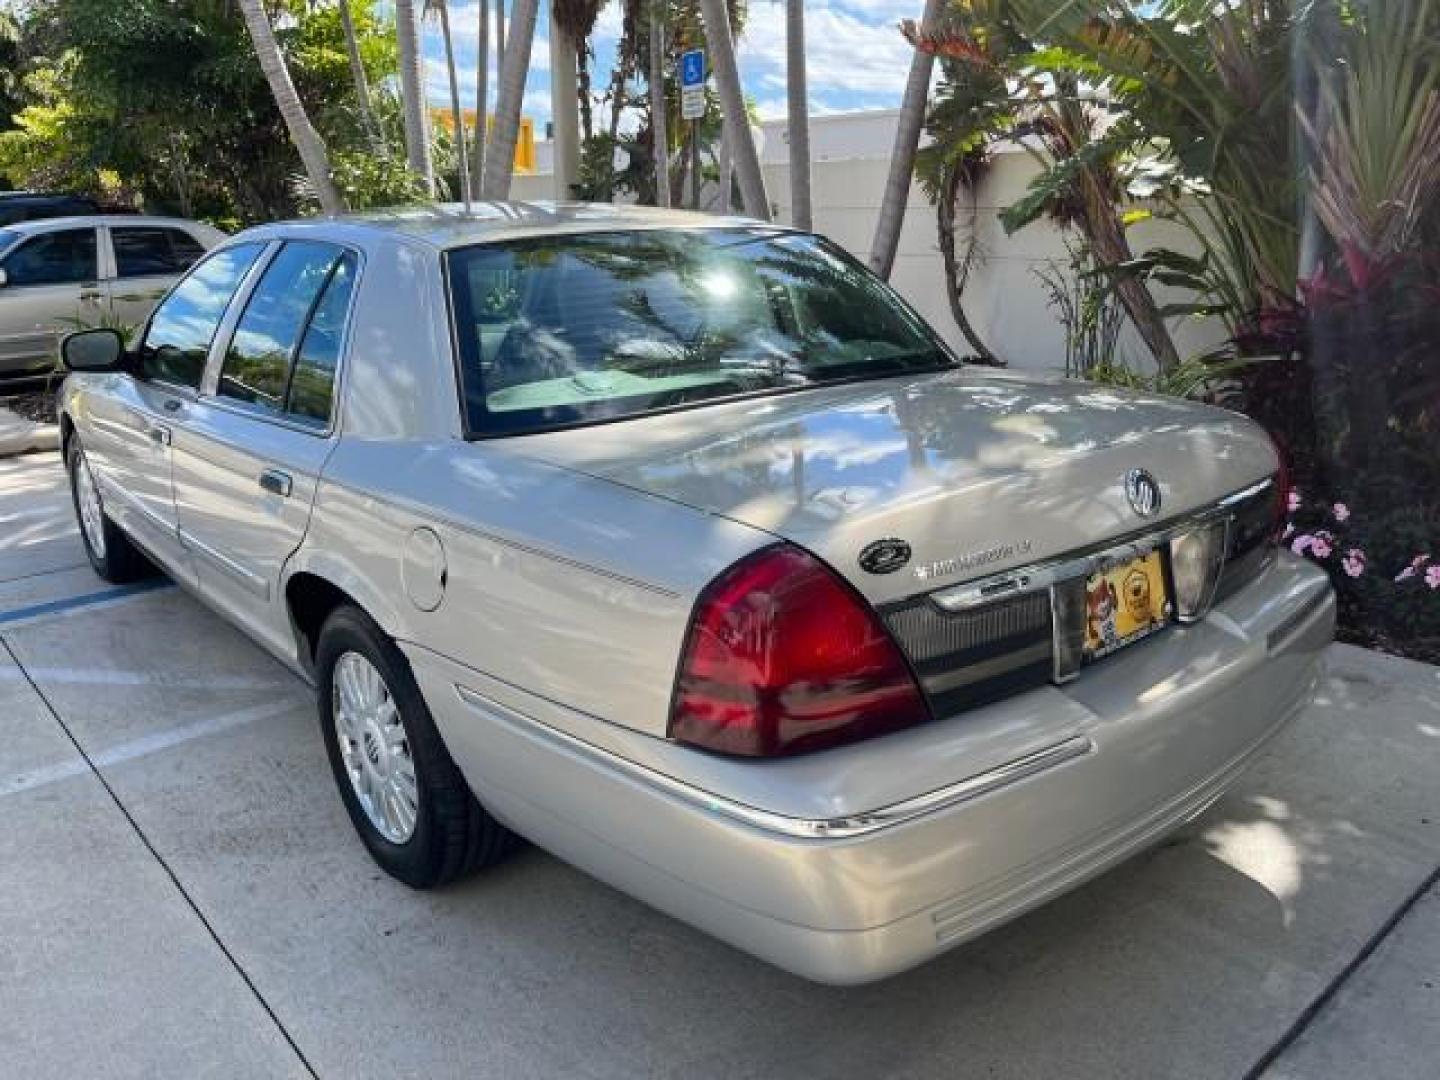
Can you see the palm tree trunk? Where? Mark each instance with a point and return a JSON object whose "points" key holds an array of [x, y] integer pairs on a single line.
{"points": [[412, 87], [798, 109], [302, 133], [727, 174], [357, 73], [1108, 243], [732, 107], [457, 117], [499, 34], [659, 129], [902, 158], [482, 97], [957, 270], [500, 162]]}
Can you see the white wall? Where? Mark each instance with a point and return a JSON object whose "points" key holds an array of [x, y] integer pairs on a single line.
{"points": [[1004, 300]]}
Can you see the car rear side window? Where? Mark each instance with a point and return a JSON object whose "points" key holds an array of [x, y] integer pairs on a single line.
{"points": [[291, 325], [184, 325], [145, 250], [312, 386], [55, 258]]}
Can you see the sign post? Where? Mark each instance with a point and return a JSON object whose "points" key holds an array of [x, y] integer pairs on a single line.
{"points": [[692, 107]]}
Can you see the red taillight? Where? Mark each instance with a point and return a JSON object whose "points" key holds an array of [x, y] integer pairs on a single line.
{"points": [[784, 657]]}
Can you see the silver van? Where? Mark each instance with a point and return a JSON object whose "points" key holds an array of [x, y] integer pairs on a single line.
{"points": [[62, 274]]}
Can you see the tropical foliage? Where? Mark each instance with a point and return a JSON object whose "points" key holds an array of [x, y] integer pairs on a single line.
{"points": [[1299, 146], [164, 103]]}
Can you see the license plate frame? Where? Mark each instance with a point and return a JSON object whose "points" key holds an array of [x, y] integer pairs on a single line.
{"points": [[1127, 599]]}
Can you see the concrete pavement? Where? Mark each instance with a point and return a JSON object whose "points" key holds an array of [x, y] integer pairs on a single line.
{"points": [[181, 895]]}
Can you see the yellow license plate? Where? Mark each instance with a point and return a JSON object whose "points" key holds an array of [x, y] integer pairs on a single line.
{"points": [[1124, 603]]}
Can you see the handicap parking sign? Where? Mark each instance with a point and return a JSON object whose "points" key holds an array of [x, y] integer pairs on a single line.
{"points": [[692, 68]]}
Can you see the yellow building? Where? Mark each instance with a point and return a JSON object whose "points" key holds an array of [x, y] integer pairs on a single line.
{"points": [[524, 142]]}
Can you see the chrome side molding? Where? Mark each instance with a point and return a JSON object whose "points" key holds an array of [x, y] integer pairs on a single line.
{"points": [[861, 824]]}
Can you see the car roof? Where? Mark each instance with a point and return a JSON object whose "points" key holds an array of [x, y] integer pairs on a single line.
{"points": [[448, 225], [49, 224]]}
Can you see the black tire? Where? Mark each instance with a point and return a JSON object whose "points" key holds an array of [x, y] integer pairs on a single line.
{"points": [[452, 834], [121, 560]]}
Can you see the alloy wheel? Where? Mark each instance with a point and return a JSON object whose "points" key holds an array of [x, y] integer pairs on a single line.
{"points": [[374, 747]]}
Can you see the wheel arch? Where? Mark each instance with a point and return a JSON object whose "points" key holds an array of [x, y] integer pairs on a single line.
{"points": [[314, 589]]}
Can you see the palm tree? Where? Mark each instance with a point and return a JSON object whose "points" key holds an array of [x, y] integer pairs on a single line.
{"points": [[514, 67], [357, 72], [798, 109], [412, 88], [482, 97], [571, 23], [659, 130], [732, 107], [457, 117], [302, 133], [902, 158]]}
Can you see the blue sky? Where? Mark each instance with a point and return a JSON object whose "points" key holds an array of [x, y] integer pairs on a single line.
{"points": [[857, 58]]}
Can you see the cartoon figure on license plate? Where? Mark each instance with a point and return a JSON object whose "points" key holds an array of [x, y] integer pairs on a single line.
{"points": [[1124, 603]]}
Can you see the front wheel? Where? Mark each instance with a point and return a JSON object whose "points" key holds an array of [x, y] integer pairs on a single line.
{"points": [[109, 550], [404, 794]]}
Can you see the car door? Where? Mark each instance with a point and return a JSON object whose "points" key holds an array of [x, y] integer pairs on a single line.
{"points": [[248, 458], [146, 259], [131, 425], [51, 286]]}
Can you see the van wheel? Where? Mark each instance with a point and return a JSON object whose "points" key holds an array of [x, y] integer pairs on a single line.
{"points": [[110, 551], [404, 794]]}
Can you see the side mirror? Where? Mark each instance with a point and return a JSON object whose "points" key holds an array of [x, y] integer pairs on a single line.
{"points": [[100, 349]]}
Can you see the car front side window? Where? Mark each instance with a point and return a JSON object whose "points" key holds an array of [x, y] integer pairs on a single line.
{"points": [[282, 322], [183, 326], [56, 258]]}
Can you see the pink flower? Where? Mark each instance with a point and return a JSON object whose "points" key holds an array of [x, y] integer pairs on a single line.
{"points": [[1320, 547], [1432, 577], [1302, 543], [1293, 500], [1354, 562], [1341, 512], [1416, 564]]}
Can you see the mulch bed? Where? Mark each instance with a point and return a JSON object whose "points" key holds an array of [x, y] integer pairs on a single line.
{"points": [[35, 405]]}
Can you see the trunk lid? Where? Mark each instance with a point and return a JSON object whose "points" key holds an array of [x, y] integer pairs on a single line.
{"points": [[976, 471]]}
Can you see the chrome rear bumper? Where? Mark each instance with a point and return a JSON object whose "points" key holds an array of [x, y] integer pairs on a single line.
{"points": [[1166, 726]]}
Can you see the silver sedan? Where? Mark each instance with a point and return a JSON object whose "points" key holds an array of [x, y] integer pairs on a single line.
{"points": [[682, 547]]}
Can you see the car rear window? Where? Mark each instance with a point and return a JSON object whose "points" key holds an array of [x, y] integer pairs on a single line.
{"points": [[574, 329]]}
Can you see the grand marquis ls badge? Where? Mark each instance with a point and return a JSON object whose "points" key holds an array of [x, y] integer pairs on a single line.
{"points": [[884, 556], [1143, 491]]}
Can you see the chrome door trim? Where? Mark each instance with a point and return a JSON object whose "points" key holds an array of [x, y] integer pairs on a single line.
{"points": [[838, 828], [252, 582]]}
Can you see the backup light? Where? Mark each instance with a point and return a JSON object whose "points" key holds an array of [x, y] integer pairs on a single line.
{"points": [[1196, 556], [783, 657]]}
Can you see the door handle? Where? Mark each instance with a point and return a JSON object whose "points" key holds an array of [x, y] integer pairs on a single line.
{"points": [[160, 436], [276, 483]]}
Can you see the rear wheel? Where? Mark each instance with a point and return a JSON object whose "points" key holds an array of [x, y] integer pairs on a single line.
{"points": [[110, 551], [404, 794]]}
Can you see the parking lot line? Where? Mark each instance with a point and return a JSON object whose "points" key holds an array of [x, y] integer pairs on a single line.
{"points": [[70, 603], [146, 745]]}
